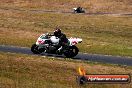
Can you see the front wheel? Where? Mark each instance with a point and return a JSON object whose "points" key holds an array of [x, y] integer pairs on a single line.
{"points": [[71, 52], [75, 11], [83, 11]]}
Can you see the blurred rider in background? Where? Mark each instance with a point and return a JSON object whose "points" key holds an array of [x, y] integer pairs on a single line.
{"points": [[79, 9]]}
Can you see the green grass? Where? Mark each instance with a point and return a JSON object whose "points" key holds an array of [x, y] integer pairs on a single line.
{"points": [[19, 70]]}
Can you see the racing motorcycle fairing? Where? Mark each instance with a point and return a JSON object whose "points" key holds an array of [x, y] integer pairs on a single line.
{"points": [[74, 41], [50, 44]]}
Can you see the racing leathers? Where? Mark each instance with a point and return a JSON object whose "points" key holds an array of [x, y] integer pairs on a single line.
{"points": [[63, 43]]}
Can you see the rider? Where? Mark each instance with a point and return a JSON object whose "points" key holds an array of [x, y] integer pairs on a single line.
{"points": [[63, 41], [79, 9]]}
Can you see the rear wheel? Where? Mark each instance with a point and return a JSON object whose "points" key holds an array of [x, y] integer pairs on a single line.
{"points": [[71, 52], [35, 49]]}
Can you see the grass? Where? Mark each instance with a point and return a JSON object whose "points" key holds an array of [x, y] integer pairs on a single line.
{"points": [[118, 6], [19, 70], [111, 35]]}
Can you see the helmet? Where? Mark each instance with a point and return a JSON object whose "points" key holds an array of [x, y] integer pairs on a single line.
{"points": [[57, 32]]}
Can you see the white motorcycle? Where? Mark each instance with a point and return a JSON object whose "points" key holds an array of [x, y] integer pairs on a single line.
{"points": [[50, 44]]}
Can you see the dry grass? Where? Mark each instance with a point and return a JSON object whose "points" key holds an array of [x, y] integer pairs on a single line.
{"points": [[101, 34], [67, 5], [110, 35], [18, 71]]}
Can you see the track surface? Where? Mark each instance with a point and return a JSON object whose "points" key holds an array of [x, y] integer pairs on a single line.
{"points": [[89, 57]]}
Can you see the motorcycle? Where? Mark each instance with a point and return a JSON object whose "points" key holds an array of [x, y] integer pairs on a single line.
{"points": [[50, 44], [76, 10]]}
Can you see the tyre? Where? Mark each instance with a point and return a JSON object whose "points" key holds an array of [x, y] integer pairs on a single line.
{"points": [[34, 49], [75, 11], [71, 52]]}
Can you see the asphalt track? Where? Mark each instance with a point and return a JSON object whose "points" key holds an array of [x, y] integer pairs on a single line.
{"points": [[127, 61]]}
